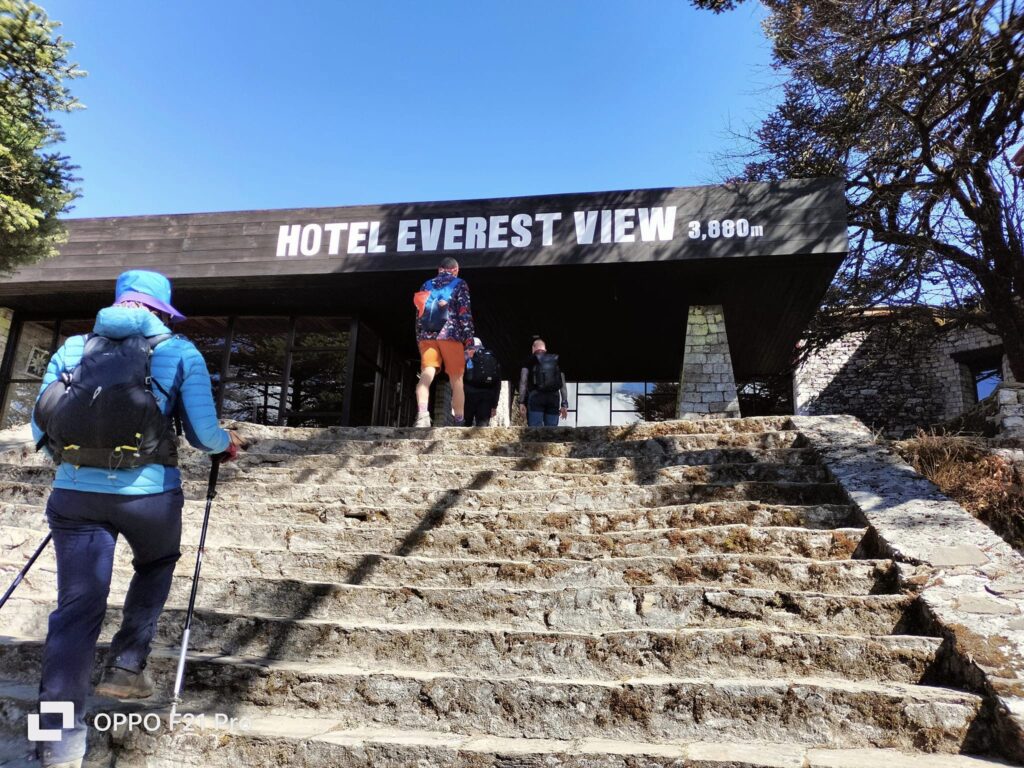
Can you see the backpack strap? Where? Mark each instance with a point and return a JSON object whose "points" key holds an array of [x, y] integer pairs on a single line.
{"points": [[153, 342]]}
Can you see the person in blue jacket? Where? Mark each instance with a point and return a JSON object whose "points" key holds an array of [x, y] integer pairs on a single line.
{"points": [[89, 507]]}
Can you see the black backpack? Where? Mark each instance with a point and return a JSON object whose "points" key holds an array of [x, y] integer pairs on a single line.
{"points": [[546, 376], [485, 370], [104, 414]]}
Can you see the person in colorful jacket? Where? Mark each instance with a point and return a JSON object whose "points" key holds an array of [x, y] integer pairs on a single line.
{"points": [[89, 507], [446, 297]]}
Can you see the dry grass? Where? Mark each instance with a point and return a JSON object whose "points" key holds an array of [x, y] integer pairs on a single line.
{"points": [[986, 485]]}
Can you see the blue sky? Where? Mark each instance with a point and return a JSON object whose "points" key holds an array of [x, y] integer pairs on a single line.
{"points": [[203, 106]]}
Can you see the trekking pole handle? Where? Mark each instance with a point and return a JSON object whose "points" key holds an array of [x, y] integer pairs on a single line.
{"points": [[211, 489]]}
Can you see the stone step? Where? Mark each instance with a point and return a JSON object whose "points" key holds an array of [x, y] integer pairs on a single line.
{"points": [[258, 740], [509, 479], [570, 457], [579, 449], [252, 458], [404, 518], [483, 650], [803, 710], [192, 461], [797, 710], [434, 501], [317, 742], [234, 482], [574, 609], [841, 577], [480, 496], [640, 430], [840, 544], [597, 498]]}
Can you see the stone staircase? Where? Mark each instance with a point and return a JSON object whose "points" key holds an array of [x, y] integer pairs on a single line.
{"points": [[678, 594]]}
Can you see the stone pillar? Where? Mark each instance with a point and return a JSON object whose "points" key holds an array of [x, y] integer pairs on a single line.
{"points": [[707, 386], [502, 418], [6, 316]]}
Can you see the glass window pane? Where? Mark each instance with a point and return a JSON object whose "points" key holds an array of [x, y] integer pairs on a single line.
{"points": [[204, 332], [628, 396], [666, 388], [627, 388], [258, 348], [661, 400], [317, 385], [18, 405], [251, 401], [319, 332], [33, 352], [592, 411], [364, 378], [594, 388]]}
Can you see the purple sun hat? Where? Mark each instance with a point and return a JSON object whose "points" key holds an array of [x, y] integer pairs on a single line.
{"points": [[149, 288]]}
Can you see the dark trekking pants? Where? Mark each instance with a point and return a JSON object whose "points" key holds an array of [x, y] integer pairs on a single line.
{"points": [[542, 409], [478, 407], [85, 527]]}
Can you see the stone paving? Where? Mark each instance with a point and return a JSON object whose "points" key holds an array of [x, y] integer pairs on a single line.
{"points": [[742, 593]]}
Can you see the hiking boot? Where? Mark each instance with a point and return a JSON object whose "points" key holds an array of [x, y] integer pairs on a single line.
{"points": [[422, 419], [120, 683]]}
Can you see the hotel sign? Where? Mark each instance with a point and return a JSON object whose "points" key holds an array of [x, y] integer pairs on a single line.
{"points": [[801, 217], [511, 230]]}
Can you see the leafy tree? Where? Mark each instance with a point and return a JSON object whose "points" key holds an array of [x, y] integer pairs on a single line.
{"points": [[918, 105], [35, 180]]}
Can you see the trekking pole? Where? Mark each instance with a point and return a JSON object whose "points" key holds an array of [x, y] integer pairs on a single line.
{"points": [[29, 564], [211, 491]]}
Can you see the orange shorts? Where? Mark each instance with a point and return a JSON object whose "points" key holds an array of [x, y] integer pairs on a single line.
{"points": [[451, 353]]}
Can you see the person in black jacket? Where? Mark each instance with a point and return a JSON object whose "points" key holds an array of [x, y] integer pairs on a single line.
{"points": [[482, 383], [543, 394]]}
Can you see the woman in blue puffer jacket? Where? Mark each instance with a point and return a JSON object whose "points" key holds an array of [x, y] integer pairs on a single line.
{"points": [[90, 506]]}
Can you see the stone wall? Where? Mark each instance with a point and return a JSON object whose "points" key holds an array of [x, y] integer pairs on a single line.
{"points": [[894, 382], [1010, 413], [6, 316], [707, 386]]}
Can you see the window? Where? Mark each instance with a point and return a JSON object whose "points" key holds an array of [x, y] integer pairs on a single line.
{"points": [[981, 371], [35, 342], [986, 379]]}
